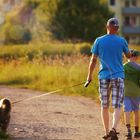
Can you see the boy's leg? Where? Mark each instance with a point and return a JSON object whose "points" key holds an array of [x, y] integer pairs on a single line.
{"points": [[127, 117], [132, 104], [136, 117], [135, 104], [128, 126], [128, 108]]}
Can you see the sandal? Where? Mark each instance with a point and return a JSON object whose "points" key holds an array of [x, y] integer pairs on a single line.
{"points": [[136, 135], [129, 136], [106, 137], [113, 134]]}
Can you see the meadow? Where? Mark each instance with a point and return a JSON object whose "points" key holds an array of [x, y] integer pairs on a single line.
{"points": [[48, 67]]}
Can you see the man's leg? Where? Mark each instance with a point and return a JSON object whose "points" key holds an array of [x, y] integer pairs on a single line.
{"points": [[117, 99], [105, 119], [116, 117], [117, 87], [104, 97]]}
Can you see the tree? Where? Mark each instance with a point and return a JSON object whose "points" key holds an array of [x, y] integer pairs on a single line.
{"points": [[79, 19]]}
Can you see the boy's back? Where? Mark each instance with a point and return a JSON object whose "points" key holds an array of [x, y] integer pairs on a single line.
{"points": [[132, 79]]}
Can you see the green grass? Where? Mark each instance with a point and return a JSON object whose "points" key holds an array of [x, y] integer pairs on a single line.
{"points": [[36, 50], [4, 136], [50, 74], [47, 67]]}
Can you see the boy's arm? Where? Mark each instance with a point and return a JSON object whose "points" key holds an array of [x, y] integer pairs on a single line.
{"points": [[128, 55], [139, 79]]}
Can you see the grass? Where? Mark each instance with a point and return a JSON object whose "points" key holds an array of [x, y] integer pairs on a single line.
{"points": [[49, 74], [4, 136], [37, 50], [47, 67]]}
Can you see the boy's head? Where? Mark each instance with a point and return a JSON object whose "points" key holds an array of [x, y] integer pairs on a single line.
{"points": [[134, 55]]}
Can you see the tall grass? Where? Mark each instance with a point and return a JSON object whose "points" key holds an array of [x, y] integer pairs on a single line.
{"points": [[49, 74], [32, 51], [47, 67]]}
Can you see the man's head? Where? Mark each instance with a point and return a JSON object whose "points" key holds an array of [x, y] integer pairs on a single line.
{"points": [[112, 26]]}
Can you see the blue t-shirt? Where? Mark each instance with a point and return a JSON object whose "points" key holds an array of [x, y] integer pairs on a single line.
{"points": [[110, 48]]}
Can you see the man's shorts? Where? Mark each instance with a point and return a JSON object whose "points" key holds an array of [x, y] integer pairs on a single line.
{"points": [[116, 86], [131, 104]]}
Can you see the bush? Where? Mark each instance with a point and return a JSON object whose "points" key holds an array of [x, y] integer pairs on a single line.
{"points": [[84, 48], [16, 34], [12, 52]]}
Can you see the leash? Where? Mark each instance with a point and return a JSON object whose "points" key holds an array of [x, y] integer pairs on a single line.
{"points": [[51, 92], [48, 93]]}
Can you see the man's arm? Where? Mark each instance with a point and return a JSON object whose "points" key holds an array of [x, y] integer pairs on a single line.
{"points": [[92, 65]]}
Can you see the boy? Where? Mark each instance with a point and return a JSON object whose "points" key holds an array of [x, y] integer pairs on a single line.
{"points": [[132, 93]]}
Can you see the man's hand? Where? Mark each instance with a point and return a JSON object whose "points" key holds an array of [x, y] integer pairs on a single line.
{"points": [[87, 83], [92, 65]]}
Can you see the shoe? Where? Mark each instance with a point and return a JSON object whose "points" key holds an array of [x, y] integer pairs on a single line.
{"points": [[129, 136], [136, 135], [113, 134], [106, 137]]}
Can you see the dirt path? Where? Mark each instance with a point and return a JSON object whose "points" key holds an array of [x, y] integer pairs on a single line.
{"points": [[54, 117]]}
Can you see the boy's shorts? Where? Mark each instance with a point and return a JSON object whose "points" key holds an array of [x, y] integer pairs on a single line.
{"points": [[131, 104], [116, 86]]}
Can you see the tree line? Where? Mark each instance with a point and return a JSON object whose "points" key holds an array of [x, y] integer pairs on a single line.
{"points": [[75, 20]]}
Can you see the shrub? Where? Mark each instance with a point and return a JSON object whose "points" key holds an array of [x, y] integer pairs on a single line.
{"points": [[16, 34], [84, 48]]}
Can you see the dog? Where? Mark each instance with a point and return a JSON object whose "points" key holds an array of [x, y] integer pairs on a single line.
{"points": [[5, 110]]}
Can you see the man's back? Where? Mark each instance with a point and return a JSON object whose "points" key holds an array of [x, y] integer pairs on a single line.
{"points": [[109, 48]]}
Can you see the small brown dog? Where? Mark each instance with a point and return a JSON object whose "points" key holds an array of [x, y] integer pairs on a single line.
{"points": [[5, 109]]}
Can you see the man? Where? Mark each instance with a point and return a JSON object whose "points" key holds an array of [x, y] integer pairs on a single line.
{"points": [[132, 93], [109, 48]]}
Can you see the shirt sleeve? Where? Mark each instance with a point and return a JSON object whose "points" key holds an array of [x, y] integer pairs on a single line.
{"points": [[124, 67], [95, 48], [139, 78], [125, 47]]}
